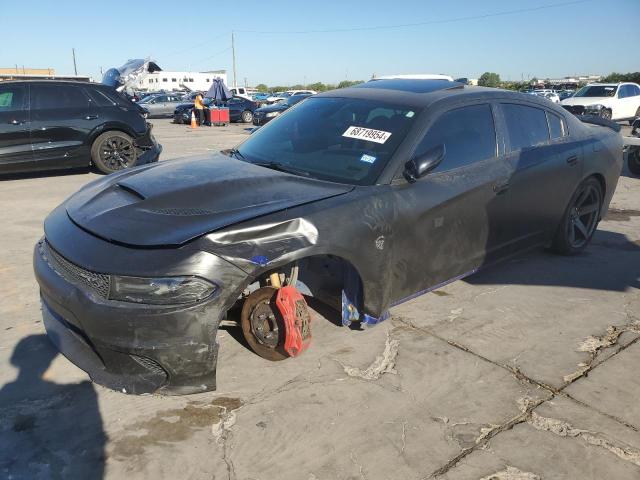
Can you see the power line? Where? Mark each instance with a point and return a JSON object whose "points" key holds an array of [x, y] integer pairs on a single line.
{"points": [[213, 56], [193, 47], [419, 24]]}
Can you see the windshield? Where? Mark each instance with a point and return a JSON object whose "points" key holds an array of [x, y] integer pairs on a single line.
{"points": [[342, 140], [597, 91]]}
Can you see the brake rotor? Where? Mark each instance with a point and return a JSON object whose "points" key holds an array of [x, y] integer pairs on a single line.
{"points": [[262, 324]]}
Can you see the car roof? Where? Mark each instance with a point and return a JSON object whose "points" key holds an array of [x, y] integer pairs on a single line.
{"points": [[423, 93], [56, 82]]}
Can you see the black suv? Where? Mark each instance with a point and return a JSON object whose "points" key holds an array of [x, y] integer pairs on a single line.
{"points": [[51, 125]]}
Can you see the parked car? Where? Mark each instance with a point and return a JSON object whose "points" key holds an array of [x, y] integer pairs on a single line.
{"points": [[366, 196], [54, 124], [633, 161], [279, 96], [264, 115], [566, 94], [162, 105], [240, 110], [261, 97], [241, 92], [552, 96], [613, 101]]}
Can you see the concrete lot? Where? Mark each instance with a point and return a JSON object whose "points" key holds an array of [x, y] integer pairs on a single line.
{"points": [[524, 371]]}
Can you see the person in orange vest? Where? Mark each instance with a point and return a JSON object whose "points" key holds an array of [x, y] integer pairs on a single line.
{"points": [[198, 107]]}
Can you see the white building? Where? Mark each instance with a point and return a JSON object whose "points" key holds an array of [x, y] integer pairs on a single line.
{"points": [[166, 80]]}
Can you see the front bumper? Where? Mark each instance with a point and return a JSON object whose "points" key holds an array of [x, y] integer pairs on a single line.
{"points": [[129, 347], [259, 119]]}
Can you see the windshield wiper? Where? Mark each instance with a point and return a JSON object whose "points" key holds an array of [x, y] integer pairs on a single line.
{"points": [[234, 152], [283, 168]]}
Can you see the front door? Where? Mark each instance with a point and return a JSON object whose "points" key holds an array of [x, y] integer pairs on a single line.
{"points": [[453, 218], [61, 120], [15, 146]]}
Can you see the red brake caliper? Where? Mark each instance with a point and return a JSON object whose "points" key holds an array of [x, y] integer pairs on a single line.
{"points": [[297, 320]]}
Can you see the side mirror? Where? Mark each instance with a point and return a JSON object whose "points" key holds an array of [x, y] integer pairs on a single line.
{"points": [[418, 167]]}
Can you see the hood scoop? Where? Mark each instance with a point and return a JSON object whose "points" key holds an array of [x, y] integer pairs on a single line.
{"points": [[130, 190], [175, 201]]}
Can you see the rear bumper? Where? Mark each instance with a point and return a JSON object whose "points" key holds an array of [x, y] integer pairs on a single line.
{"points": [[149, 149], [132, 348]]}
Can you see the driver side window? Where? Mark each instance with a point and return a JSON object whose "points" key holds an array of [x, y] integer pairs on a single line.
{"points": [[468, 135]]}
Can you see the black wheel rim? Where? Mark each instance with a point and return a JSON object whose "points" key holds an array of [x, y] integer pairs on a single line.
{"points": [[583, 216], [263, 324], [117, 153], [606, 114]]}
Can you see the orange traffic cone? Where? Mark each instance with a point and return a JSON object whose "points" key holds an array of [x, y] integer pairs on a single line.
{"points": [[194, 124]]}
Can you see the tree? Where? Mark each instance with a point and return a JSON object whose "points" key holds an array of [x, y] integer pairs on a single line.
{"points": [[261, 87], [489, 79], [622, 77], [349, 83]]}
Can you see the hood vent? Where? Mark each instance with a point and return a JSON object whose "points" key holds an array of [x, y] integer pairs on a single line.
{"points": [[130, 190]]}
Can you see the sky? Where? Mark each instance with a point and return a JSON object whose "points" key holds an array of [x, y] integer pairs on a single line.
{"points": [[284, 42]]}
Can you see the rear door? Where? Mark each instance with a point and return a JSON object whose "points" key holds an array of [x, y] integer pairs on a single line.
{"points": [[61, 120], [15, 146], [546, 168], [453, 217]]}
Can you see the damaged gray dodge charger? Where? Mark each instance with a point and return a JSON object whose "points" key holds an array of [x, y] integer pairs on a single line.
{"points": [[362, 197]]}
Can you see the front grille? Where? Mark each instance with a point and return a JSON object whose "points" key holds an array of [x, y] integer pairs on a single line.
{"points": [[181, 212], [97, 282]]}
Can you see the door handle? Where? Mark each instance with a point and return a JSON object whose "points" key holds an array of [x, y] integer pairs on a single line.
{"points": [[91, 117], [500, 188], [572, 160], [16, 122]]}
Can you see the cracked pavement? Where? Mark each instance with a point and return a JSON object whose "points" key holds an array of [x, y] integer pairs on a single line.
{"points": [[524, 371]]}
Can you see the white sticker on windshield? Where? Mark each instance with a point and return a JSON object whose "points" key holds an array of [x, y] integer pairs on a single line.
{"points": [[367, 158], [369, 134]]}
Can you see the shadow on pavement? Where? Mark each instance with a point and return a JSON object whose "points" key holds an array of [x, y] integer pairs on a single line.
{"points": [[606, 264], [48, 430], [47, 173]]}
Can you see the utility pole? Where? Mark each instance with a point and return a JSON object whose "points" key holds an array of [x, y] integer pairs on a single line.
{"points": [[233, 53], [75, 68]]}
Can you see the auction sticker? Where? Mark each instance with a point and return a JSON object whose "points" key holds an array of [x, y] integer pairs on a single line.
{"points": [[369, 134]]}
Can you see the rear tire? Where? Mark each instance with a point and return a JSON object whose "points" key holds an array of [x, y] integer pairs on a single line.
{"points": [[113, 151], [580, 219], [605, 113], [633, 161]]}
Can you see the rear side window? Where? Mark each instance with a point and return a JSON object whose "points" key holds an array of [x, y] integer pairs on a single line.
{"points": [[115, 97], [526, 126], [557, 128], [99, 99], [56, 97], [468, 134], [12, 98]]}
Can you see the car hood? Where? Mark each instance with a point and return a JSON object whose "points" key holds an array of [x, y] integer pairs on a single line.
{"points": [[183, 106], [585, 100], [278, 107], [172, 202]]}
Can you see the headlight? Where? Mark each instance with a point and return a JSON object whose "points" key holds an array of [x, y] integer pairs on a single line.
{"points": [[160, 291], [597, 106], [272, 114]]}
